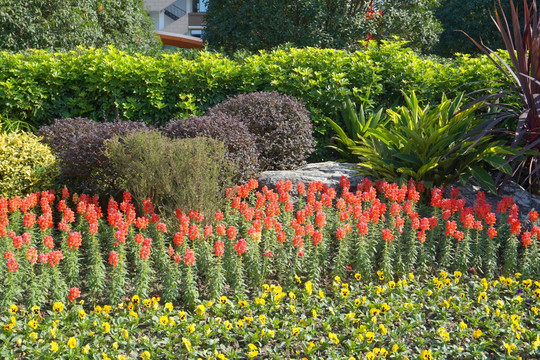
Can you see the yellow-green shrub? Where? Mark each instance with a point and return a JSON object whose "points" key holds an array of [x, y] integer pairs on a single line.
{"points": [[26, 165]]}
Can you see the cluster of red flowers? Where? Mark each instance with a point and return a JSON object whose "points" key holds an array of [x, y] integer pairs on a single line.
{"points": [[380, 211]]}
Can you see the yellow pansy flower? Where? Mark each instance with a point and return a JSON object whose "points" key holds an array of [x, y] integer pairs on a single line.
{"points": [[58, 307], [200, 310], [187, 344]]}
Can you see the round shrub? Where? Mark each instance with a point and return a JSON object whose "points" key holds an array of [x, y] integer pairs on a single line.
{"points": [[26, 165], [188, 173], [280, 123], [240, 143], [78, 143]]}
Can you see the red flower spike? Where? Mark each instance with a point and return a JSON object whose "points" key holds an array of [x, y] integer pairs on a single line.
{"points": [[74, 293]]}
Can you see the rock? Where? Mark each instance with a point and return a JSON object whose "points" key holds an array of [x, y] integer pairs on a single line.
{"points": [[328, 173]]}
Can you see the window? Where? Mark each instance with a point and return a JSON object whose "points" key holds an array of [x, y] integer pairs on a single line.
{"points": [[197, 33]]}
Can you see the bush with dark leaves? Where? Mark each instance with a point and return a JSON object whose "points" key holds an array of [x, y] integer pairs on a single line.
{"points": [[240, 143], [79, 145], [280, 123]]}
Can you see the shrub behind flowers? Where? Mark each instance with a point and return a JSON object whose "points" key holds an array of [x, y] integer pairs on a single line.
{"points": [[188, 173], [51, 244]]}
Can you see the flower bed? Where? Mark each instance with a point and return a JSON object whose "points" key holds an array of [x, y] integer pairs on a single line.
{"points": [[50, 246], [449, 316], [386, 271]]}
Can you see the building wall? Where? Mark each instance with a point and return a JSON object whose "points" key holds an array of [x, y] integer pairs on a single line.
{"points": [[154, 15]]}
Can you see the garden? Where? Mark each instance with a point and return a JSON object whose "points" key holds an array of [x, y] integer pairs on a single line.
{"points": [[133, 224]]}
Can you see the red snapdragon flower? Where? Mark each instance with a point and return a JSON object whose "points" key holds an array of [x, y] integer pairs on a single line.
{"points": [[316, 237], [387, 235], [113, 258], [32, 255], [145, 252], [189, 257], [301, 187], [459, 235], [12, 265], [193, 232], [533, 216], [240, 246], [74, 293], [29, 220], [231, 232], [74, 240], [320, 219], [515, 225], [55, 257], [48, 241], [451, 228], [139, 238], [161, 227], [298, 241], [219, 248], [526, 239]]}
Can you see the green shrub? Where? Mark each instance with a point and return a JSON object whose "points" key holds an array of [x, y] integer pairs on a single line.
{"points": [[280, 123], [241, 144], [185, 173], [357, 124], [79, 145], [26, 165], [425, 144], [106, 84]]}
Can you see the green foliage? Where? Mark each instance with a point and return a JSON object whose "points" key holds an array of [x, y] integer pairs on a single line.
{"points": [[254, 25], [521, 71], [26, 165], [240, 142], [64, 25], [280, 124], [424, 144], [357, 125], [79, 145], [472, 17], [174, 173], [106, 84], [411, 20]]}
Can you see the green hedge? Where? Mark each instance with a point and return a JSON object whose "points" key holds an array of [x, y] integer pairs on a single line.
{"points": [[105, 84]]}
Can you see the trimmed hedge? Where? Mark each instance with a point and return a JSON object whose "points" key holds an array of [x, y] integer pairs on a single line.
{"points": [[105, 84]]}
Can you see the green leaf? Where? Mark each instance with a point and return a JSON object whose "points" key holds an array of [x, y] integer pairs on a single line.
{"points": [[408, 158], [483, 178], [500, 163]]}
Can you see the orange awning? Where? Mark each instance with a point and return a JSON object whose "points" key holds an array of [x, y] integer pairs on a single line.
{"points": [[181, 41]]}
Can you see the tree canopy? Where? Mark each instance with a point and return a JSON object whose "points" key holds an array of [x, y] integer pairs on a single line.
{"points": [[472, 17], [66, 24], [264, 24]]}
